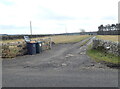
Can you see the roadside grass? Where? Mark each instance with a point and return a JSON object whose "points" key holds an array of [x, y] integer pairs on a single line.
{"points": [[114, 38], [85, 42], [100, 56], [56, 39]]}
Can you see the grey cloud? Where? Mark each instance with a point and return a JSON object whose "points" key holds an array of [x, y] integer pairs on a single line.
{"points": [[109, 18], [57, 17], [48, 14], [3, 27], [51, 15]]}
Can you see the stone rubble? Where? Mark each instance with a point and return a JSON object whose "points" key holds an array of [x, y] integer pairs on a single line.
{"points": [[107, 46]]}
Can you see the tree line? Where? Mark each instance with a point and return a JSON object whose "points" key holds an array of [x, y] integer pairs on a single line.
{"points": [[113, 29]]}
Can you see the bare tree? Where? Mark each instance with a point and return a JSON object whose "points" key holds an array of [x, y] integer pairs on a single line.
{"points": [[82, 31]]}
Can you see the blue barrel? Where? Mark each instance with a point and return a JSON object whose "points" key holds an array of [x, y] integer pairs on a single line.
{"points": [[39, 47], [31, 47]]}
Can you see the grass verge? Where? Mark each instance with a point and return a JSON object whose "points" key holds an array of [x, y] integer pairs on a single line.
{"points": [[85, 42], [100, 56]]}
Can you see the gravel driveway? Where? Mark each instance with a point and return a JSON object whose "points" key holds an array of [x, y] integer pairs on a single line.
{"points": [[65, 65]]}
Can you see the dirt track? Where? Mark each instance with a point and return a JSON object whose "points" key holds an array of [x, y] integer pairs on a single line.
{"points": [[64, 65]]}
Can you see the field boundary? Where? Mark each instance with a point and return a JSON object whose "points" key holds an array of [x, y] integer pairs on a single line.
{"points": [[107, 46], [105, 52]]}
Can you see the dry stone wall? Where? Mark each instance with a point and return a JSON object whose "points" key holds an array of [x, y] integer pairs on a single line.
{"points": [[10, 50], [107, 46], [13, 49]]}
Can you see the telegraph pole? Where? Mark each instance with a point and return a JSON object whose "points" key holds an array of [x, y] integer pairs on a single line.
{"points": [[30, 27], [66, 29]]}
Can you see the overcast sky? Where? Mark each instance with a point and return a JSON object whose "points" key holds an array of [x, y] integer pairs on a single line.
{"points": [[53, 16]]}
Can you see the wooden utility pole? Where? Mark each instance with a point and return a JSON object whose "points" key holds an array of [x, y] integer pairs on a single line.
{"points": [[66, 29], [30, 27]]}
